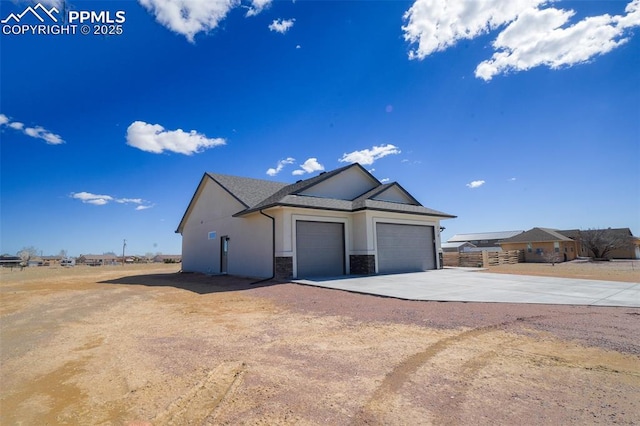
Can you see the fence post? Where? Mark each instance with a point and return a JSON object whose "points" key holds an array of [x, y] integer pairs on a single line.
{"points": [[485, 258]]}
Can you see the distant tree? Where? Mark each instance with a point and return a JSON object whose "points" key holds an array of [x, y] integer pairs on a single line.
{"points": [[28, 252], [110, 253], [601, 242], [62, 254], [551, 257]]}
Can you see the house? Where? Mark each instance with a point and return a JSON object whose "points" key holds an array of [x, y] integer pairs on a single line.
{"points": [[484, 240], [340, 222], [167, 258], [539, 244], [630, 250], [542, 245], [97, 259], [456, 247], [10, 261]]}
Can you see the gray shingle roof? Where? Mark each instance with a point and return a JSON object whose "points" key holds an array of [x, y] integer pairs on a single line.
{"points": [[258, 194], [248, 191]]}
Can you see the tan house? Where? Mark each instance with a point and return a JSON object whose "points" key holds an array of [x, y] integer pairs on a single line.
{"points": [[630, 251], [340, 222], [541, 245], [545, 244]]}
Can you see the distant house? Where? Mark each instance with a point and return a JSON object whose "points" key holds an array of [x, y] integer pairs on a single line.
{"points": [[343, 221], [541, 244], [10, 261], [632, 251], [456, 247], [97, 259], [483, 240], [167, 258], [52, 260]]}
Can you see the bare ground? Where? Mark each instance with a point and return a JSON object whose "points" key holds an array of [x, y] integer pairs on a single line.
{"points": [[142, 345]]}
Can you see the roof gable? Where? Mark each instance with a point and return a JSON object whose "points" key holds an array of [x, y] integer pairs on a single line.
{"points": [[246, 191], [537, 235], [347, 184], [394, 193]]}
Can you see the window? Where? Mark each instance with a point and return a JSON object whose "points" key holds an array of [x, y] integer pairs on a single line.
{"points": [[529, 247], [556, 246]]}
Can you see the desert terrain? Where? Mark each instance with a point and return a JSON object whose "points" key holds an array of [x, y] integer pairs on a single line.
{"points": [[147, 345]]}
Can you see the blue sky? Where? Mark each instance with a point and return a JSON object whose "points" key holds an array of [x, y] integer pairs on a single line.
{"points": [[507, 115]]}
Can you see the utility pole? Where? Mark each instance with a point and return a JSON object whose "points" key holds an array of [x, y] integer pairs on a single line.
{"points": [[124, 244]]}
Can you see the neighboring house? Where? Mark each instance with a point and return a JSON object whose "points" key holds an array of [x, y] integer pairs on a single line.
{"points": [[340, 222], [10, 261], [456, 247], [97, 259], [484, 239], [632, 251], [167, 258], [52, 260], [542, 245]]}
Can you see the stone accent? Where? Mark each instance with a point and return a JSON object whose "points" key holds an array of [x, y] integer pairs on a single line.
{"points": [[362, 264], [284, 268]]}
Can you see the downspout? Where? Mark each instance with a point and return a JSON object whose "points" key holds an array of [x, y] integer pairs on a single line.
{"points": [[273, 248]]}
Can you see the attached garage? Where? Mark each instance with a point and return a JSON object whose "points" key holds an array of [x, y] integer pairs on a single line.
{"points": [[405, 248], [320, 249]]}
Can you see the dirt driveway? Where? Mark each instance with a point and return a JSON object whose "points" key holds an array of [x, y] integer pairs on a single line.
{"points": [[146, 345]]}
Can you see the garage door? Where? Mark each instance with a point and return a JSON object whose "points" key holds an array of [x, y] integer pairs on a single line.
{"points": [[319, 249], [405, 248]]}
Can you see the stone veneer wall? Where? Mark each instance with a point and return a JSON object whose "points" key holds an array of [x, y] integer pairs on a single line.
{"points": [[284, 268], [362, 264]]}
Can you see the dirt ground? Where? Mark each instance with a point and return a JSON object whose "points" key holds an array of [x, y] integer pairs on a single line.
{"points": [[146, 345]]}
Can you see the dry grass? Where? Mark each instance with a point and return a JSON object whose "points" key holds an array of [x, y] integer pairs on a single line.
{"points": [[618, 270]]}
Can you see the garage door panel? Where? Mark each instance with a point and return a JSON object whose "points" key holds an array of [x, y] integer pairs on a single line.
{"points": [[319, 249], [405, 248]]}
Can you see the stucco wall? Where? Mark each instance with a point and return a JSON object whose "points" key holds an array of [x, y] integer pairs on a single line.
{"points": [[346, 186], [249, 237], [538, 252]]}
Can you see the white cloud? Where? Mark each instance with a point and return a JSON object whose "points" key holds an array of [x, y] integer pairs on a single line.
{"points": [[37, 132], [101, 200], [368, 156], [280, 166], [512, 179], [89, 198], [189, 17], [309, 166], [532, 35], [436, 25], [257, 6], [475, 184], [385, 180], [154, 138], [281, 25]]}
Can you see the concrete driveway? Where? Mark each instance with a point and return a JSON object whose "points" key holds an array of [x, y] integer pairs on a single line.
{"points": [[469, 285]]}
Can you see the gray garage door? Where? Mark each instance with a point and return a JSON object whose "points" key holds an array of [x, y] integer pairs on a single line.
{"points": [[319, 249], [405, 248]]}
